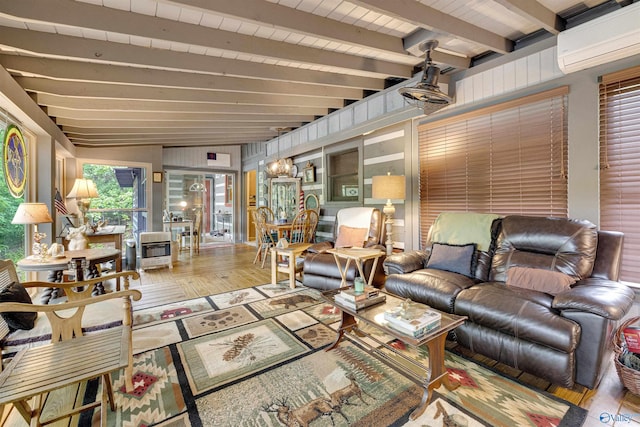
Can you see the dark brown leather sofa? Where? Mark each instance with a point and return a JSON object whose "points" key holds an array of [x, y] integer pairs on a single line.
{"points": [[320, 268], [564, 338]]}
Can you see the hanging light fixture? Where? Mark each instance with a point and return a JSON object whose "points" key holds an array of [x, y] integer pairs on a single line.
{"points": [[282, 166], [426, 94]]}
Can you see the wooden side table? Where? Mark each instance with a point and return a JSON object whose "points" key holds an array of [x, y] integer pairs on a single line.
{"points": [[358, 256], [291, 252]]}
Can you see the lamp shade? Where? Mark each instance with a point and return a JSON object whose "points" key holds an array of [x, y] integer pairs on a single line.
{"points": [[83, 189], [32, 213], [388, 187]]}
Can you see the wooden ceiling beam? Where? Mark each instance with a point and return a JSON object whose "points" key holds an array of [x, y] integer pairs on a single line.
{"points": [[79, 49], [116, 91], [154, 116], [104, 73], [128, 124], [100, 104], [177, 129], [427, 17], [84, 15]]}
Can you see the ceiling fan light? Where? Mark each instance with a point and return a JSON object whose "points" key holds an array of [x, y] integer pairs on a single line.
{"points": [[426, 94]]}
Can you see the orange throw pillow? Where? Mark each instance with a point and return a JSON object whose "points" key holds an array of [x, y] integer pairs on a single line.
{"points": [[351, 237]]}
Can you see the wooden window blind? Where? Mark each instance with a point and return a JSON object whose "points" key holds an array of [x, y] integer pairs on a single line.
{"points": [[620, 164], [506, 159]]}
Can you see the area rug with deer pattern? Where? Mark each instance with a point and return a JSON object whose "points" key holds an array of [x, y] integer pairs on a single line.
{"points": [[256, 357]]}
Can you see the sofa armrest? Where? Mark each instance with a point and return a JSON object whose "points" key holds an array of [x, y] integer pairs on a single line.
{"points": [[320, 247], [405, 262], [606, 298]]}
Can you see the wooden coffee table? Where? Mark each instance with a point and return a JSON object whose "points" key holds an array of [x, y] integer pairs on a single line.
{"points": [[429, 377]]}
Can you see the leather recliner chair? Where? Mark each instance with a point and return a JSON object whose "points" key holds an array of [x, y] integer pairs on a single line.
{"points": [[320, 270]]}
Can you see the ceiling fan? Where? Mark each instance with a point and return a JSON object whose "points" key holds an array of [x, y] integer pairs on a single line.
{"points": [[426, 94]]}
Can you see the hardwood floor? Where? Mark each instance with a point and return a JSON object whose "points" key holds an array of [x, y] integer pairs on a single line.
{"points": [[222, 269]]}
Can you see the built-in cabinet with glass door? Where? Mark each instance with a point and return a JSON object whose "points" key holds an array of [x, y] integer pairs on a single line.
{"points": [[284, 197]]}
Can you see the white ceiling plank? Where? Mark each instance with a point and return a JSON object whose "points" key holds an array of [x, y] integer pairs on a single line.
{"points": [[425, 16], [147, 7], [536, 12], [167, 11]]}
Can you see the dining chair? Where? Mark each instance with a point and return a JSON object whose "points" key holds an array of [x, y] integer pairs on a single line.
{"points": [[267, 238], [193, 233], [302, 231], [313, 218], [303, 227]]}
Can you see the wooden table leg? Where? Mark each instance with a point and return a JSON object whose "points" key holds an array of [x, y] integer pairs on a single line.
{"points": [[292, 270], [437, 374], [373, 271], [343, 272], [347, 323], [274, 266]]}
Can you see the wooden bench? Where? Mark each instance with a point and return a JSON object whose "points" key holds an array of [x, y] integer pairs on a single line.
{"points": [[71, 357]]}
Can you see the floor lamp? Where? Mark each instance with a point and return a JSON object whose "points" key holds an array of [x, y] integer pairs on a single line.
{"points": [[388, 187]]}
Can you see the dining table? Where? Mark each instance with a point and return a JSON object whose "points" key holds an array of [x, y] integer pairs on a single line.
{"points": [[282, 228]]}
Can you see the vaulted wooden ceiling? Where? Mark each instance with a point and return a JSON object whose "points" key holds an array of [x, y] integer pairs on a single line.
{"points": [[211, 72]]}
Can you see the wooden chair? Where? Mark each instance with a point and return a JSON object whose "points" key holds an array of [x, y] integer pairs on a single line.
{"points": [[266, 238], [263, 216], [194, 233], [314, 218], [303, 230], [303, 227], [71, 357]]}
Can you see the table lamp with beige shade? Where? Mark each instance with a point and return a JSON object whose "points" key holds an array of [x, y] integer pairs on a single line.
{"points": [[83, 191], [388, 187], [34, 214]]}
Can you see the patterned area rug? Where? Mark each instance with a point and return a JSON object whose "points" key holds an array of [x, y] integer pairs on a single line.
{"points": [[256, 357]]}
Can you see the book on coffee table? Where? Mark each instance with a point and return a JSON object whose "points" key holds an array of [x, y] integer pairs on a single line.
{"points": [[415, 323], [357, 305], [351, 294]]}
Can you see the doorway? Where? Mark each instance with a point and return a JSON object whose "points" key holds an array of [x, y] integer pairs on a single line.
{"points": [[250, 179], [211, 193]]}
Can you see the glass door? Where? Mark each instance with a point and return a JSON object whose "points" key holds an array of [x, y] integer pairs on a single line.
{"points": [[211, 193]]}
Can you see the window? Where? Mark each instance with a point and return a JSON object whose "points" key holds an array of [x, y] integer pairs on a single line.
{"points": [[620, 163], [122, 195], [343, 183], [506, 159]]}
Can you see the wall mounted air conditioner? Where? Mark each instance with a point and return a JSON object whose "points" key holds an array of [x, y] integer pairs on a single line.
{"points": [[607, 38]]}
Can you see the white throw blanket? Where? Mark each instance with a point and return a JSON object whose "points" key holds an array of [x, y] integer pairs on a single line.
{"points": [[355, 217]]}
